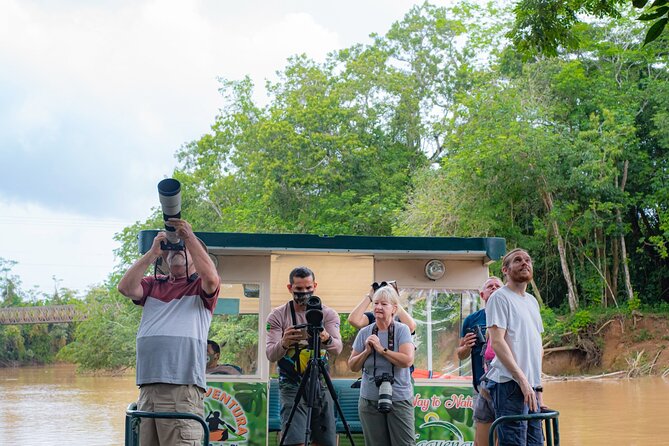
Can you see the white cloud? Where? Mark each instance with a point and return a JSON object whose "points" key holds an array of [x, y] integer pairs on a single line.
{"points": [[96, 97], [124, 88]]}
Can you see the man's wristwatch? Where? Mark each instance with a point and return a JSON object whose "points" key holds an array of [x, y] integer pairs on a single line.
{"points": [[385, 350], [538, 389]]}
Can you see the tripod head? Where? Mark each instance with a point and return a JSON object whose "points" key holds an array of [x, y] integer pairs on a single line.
{"points": [[314, 325]]}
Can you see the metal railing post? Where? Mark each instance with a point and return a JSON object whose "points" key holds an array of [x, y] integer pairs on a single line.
{"points": [[551, 422]]}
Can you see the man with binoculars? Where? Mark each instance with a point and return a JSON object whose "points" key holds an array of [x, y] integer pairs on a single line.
{"points": [[289, 327], [172, 335]]}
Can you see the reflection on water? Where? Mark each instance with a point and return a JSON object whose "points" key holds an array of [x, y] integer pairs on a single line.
{"points": [[54, 406]]}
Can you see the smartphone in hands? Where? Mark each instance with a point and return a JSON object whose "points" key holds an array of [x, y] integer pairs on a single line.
{"points": [[303, 330]]}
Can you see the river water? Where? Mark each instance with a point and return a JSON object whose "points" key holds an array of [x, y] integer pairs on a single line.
{"points": [[54, 406]]}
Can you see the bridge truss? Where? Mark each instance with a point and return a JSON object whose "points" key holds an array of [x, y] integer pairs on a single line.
{"points": [[41, 315]]}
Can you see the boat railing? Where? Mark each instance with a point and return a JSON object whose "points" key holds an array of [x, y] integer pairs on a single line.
{"points": [[550, 417], [132, 419]]}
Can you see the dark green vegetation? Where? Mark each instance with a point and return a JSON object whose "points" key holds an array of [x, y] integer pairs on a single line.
{"points": [[442, 127], [546, 26]]}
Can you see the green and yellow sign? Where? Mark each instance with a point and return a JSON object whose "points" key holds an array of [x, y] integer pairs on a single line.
{"points": [[236, 413], [444, 415]]}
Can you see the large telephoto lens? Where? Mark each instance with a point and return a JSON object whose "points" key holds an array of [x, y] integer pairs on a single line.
{"points": [[169, 193], [385, 403]]}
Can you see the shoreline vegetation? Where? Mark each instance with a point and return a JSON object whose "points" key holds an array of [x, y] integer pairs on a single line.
{"points": [[586, 346]]}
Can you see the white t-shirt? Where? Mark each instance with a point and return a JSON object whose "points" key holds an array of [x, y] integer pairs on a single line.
{"points": [[520, 317]]}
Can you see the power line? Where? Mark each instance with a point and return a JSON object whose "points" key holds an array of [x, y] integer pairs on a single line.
{"points": [[70, 222]]}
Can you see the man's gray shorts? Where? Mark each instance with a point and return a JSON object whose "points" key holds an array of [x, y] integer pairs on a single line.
{"points": [[323, 429], [483, 409]]}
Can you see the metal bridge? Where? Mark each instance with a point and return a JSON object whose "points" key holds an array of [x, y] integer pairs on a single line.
{"points": [[41, 315]]}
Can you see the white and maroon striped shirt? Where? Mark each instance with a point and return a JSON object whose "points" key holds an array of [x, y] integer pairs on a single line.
{"points": [[172, 336]]}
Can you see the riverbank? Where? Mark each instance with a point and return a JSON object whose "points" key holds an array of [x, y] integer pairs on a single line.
{"points": [[611, 345], [621, 345]]}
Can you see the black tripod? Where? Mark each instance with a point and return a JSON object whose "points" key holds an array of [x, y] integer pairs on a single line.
{"points": [[310, 382]]}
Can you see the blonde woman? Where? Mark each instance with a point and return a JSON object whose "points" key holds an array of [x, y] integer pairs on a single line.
{"points": [[384, 352]]}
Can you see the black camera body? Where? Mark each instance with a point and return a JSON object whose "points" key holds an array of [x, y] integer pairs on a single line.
{"points": [[480, 337], [385, 377]]}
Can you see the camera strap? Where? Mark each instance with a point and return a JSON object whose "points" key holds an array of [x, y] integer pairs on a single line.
{"points": [[391, 344], [296, 356], [292, 312]]}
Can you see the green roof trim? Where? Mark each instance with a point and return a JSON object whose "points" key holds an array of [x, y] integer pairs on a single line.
{"points": [[493, 247]]}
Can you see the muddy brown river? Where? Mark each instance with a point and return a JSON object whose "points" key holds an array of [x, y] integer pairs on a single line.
{"points": [[55, 406]]}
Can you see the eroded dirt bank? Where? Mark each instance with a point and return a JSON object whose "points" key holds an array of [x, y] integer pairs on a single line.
{"points": [[635, 344]]}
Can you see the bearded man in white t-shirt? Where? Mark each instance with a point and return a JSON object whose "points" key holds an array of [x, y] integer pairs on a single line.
{"points": [[514, 328]]}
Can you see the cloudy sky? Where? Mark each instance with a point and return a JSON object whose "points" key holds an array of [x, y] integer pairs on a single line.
{"points": [[97, 96]]}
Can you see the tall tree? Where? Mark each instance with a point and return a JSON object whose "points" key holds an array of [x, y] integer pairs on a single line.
{"points": [[538, 155]]}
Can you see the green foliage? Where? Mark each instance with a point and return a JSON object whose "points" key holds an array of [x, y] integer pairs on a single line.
{"points": [[106, 340], [554, 327], [240, 331], [580, 321], [13, 342], [33, 343], [346, 330], [634, 304], [10, 284], [547, 27], [334, 150]]}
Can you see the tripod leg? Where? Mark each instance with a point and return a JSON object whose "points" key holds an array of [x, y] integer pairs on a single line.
{"points": [[298, 397], [333, 394], [312, 388]]}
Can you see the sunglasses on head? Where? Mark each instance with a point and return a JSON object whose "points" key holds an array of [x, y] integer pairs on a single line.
{"points": [[392, 283]]}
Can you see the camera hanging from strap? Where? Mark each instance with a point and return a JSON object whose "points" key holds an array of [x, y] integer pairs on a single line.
{"points": [[391, 344]]}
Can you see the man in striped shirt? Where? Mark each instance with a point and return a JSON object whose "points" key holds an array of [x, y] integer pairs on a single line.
{"points": [[172, 335]]}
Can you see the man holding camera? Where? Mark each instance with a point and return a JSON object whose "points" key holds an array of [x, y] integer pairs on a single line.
{"points": [[288, 346], [172, 335], [472, 341], [514, 329]]}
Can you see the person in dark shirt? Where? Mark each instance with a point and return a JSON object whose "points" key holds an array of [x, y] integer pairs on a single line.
{"points": [[213, 367], [360, 318]]}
